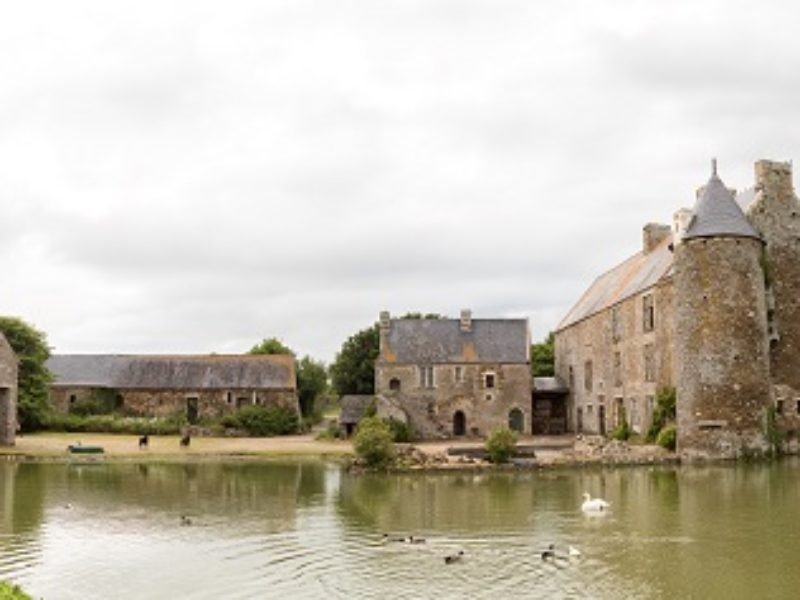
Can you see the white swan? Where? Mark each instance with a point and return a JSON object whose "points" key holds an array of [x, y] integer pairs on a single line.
{"points": [[573, 551], [594, 504]]}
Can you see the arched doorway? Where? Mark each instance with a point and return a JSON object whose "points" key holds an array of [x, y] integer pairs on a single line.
{"points": [[516, 420], [459, 423]]}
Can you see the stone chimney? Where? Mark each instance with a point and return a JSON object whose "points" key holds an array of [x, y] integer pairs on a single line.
{"points": [[385, 321], [774, 178], [680, 221], [466, 320], [653, 234]]}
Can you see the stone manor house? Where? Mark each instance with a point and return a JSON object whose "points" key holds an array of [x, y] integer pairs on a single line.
{"points": [[8, 393], [196, 386], [710, 306]]}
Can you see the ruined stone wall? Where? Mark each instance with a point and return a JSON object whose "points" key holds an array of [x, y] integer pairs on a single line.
{"points": [[629, 362], [165, 403], [721, 349], [8, 394], [775, 213], [431, 411]]}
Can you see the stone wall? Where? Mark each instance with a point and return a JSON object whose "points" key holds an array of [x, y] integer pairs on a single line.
{"points": [[722, 359], [8, 393], [628, 360], [165, 403], [431, 410]]}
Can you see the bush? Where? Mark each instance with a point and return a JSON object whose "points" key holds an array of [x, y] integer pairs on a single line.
{"points": [[623, 430], [667, 438], [501, 445], [663, 413], [373, 442], [774, 436], [402, 433], [115, 424], [12, 592], [264, 421]]}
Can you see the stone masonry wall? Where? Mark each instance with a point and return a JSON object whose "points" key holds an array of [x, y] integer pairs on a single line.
{"points": [[721, 346], [628, 363], [165, 403], [431, 411], [8, 394]]}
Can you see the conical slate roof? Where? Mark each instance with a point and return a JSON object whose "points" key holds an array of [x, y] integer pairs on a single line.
{"points": [[716, 214]]}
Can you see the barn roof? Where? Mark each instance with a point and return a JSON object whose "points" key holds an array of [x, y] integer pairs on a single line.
{"points": [[436, 341], [215, 371]]}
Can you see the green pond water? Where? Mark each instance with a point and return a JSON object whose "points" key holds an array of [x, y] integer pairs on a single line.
{"points": [[310, 530]]}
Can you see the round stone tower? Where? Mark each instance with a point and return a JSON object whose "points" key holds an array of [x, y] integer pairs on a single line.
{"points": [[722, 352]]}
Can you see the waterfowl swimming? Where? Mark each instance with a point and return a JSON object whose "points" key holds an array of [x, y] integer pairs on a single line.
{"points": [[550, 553], [594, 504], [573, 551], [185, 520], [451, 558], [68, 505], [388, 538], [416, 540]]}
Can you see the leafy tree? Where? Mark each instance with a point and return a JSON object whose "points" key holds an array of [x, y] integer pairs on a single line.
{"points": [[543, 357], [30, 346], [353, 370], [501, 445], [270, 346], [312, 382]]}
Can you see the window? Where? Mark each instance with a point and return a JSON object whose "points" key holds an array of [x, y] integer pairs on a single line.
{"points": [[587, 376], [616, 324], [459, 374], [648, 313], [649, 363], [797, 407], [617, 369], [426, 377], [779, 407], [650, 401], [230, 398], [488, 380], [394, 384], [72, 398]]}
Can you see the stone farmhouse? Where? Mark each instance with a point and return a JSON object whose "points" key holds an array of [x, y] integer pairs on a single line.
{"points": [[160, 386], [8, 393], [454, 377], [710, 306]]}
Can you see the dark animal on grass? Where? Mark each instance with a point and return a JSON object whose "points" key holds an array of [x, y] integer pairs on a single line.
{"points": [[186, 440], [144, 441]]}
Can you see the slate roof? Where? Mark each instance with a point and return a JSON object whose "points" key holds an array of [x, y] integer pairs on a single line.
{"points": [[716, 214], [437, 341], [549, 384], [640, 272], [353, 407], [257, 371]]}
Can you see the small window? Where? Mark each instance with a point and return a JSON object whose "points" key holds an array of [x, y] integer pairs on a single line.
{"points": [[489, 397], [394, 384], [459, 374], [230, 398], [616, 324], [72, 398], [488, 381], [648, 313], [587, 376], [649, 363], [617, 369], [779, 407], [797, 406], [426, 377]]}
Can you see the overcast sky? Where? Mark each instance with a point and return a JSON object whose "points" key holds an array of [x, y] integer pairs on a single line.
{"points": [[195, 176]]}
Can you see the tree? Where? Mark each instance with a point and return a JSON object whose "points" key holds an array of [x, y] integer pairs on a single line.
{"points": [[30, 346], [353, 370], [373, 442], [543, 357], [271, 346], [312, 382]]}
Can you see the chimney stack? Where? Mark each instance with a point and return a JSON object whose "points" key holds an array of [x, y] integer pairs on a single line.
{"points": [[652, 235], [466, 320], [385, 321]]}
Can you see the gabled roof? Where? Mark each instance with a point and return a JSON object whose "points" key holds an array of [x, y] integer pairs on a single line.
{"points": [[353, 407], [251, 371], [716, 214], [436, 341], [640, 272]]}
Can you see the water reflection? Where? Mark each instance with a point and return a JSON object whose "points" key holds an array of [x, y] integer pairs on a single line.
{"points": [[305, 529]]}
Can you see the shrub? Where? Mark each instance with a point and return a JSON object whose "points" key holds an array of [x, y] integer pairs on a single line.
{"points": [[623, 430], [12, 592], [667, 438], [774, 436], [264, 421], [115, 424], [663, 413], [501, 445], [402, 433], [373, 442]]}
